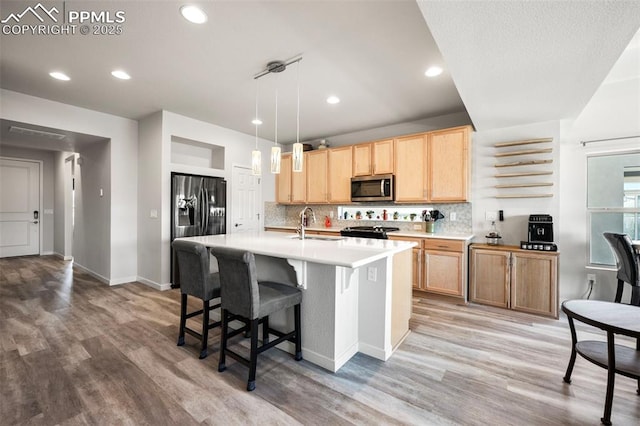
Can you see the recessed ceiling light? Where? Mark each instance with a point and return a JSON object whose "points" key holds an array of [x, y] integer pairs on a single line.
{"points": [[59, 76], [333, 100], [193, 14], [433, 71], [122, 75], [256, 121]]}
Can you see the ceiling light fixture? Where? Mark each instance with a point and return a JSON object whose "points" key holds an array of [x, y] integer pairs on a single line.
{"points": [[276, 153], [193, 14], [122, 75], [333, 100], [433, 71], [298, 154], [59, 76], [256, 155]]}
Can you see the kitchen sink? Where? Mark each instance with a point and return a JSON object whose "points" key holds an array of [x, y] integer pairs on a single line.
{"points": [[318, 237]]}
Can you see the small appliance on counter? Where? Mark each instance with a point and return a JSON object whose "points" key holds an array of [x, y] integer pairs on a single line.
{"points": [[540, 234], [493, 237]]}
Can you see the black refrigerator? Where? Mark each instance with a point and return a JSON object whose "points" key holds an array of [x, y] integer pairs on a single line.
{"points": [[198, 207]]}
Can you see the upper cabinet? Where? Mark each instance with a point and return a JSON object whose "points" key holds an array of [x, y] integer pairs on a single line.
{"points": [[428, 167], [291, 186], [448, 164], [373, 158], [411, 173], [339, 177]]}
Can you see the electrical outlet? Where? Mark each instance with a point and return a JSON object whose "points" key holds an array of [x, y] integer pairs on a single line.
{"points": [[491, 216], [417, 227], [453, 216], [372, 273], [591, 278]]}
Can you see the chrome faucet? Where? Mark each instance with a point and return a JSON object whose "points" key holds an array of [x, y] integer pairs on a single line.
{"points": [[303, 215]]}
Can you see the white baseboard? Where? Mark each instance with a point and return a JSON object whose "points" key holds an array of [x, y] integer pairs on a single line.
{"points": [[124, 280], [61, 256], [375, 351], [153, 284], [92, 273]]}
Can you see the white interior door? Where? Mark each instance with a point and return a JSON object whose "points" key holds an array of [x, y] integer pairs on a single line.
{"points": [[246, 197], [19, 207]]}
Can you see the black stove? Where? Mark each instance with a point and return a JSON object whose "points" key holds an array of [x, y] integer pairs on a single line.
{"points": [[378, 232]]}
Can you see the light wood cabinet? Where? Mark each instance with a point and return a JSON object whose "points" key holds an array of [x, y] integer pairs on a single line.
{"points": [[316, 167], [509, 277], [448, 165], [290, 186], [444, 266], [411, 173], [339, 174], [373, 158]]}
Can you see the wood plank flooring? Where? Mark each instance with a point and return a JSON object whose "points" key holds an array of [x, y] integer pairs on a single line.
{"points": [[76, 351]]}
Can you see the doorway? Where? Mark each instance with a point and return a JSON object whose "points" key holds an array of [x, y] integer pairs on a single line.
{"points": [[246, 200], [20, 212]]}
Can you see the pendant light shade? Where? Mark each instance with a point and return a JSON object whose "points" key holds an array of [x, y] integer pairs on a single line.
{"points": [[256, 155], [276, 155], [256, 163], [297, 157]]}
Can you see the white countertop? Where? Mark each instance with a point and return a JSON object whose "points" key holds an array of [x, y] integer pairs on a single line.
{"points": [[338, 251], [413, 234]]}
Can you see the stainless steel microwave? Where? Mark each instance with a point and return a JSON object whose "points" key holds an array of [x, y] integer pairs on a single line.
{"points": [[372, 188]]}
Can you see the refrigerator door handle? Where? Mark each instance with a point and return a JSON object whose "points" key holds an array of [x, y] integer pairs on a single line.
{"points": [[206, 212]]}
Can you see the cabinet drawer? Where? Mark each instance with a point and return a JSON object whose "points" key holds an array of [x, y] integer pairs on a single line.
{"points": [[409, 239], [449, 245]]}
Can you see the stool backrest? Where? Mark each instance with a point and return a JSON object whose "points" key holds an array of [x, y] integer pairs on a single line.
{"points": [[626, 259], [239, 291], [193, 267]]}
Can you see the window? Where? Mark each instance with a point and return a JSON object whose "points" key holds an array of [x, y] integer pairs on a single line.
{"points": [[613, 201]]}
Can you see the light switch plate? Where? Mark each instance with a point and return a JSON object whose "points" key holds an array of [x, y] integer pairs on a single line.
{"points": [[453, 216], [491, 216], [372, 273]]}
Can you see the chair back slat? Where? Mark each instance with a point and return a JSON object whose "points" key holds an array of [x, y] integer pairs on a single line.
{"points": [[626, 259]]}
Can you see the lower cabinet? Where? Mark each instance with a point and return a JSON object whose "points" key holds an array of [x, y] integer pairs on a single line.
{"points": [[439, 265], [508, 277]]}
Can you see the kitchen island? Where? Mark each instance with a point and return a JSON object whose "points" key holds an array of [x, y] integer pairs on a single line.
{"points": [[356, 291]]}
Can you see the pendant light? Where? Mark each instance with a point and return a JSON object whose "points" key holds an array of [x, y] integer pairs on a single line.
{"points": [[256, 155], [276, 153], [297, 157]]}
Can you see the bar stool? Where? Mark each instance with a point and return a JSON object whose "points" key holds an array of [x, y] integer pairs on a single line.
{"points": [[627, 264], [196, 280], [243, 297]]}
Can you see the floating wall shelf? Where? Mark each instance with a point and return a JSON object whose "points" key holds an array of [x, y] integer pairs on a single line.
{"points": [[533, 157]]}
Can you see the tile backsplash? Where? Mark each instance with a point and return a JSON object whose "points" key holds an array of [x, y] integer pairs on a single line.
{"points": [[281, 215]]}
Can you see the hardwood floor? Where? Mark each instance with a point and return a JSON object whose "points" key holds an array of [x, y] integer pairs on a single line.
{"points": [[75, 351]]}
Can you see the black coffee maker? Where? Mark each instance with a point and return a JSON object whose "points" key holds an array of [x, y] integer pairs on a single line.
{"points": [[540, 233]]}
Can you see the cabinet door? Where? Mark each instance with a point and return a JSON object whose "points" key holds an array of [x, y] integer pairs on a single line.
{"points": [[534, 288], [283, 180], [443, 272], [490, 277], [448, 165], [382, 157], [362, 159], [316, 167], [417, 269], [411, 173], [339, 175], [299, 183]]}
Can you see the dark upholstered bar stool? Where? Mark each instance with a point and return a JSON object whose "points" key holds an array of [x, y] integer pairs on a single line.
{"points": [[627, 263], [248, 300], [196, 280]]}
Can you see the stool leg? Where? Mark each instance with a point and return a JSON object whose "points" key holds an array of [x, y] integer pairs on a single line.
{"points": [[253, 356], [296, 315], [224, 327], [265, 330], [183, 318], [205, 328]]}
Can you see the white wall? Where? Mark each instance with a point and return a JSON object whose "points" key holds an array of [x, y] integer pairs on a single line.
{"points": [[120, 246], [154, 182], [48, 195]]}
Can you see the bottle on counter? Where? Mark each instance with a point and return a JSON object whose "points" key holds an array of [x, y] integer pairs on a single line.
{"points": [[327, 222]]}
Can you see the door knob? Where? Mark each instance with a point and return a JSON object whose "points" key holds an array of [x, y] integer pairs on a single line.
{"points": [[35, 221], [237, 224]]}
